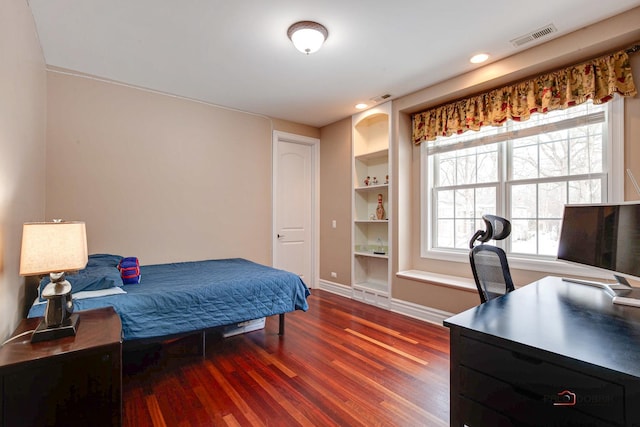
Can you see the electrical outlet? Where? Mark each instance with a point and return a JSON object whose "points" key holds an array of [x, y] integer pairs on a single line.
{"points": [[334, 274], [333, 223]]}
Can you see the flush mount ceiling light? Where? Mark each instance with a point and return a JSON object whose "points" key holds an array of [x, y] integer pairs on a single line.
{"points": [[307, 36]]}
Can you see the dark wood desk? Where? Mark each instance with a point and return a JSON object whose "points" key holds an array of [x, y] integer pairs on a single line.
{"points": [[550, 353], [71, 381]]}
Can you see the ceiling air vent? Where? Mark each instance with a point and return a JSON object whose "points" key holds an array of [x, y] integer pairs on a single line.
{"points": [[534, 35], [380, 98]]}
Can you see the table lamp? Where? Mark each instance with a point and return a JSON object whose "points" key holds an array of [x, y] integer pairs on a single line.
{"points": [[54, 248]]}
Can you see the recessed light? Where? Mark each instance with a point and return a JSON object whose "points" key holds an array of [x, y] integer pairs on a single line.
{"points": [[479, 58], [361, 106]]}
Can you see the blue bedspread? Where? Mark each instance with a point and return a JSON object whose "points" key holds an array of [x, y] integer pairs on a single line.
{"points": [[190, 296]]}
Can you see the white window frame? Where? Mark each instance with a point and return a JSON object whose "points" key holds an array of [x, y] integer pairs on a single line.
{"points": [[615, 189]]}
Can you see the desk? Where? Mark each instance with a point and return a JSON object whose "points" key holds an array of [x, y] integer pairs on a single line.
{"points": [[550, 353]]}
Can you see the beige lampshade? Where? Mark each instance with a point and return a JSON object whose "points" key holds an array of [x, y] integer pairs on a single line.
{"points": [[53, 247]]}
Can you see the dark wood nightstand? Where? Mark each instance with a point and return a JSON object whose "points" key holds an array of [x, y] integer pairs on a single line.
{"points": [[71, 381]]}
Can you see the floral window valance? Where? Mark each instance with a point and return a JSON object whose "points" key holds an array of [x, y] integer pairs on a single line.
{"points": [[597, 79]]}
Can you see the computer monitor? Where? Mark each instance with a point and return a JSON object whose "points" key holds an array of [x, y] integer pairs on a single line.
{"points": [[605, 236]]}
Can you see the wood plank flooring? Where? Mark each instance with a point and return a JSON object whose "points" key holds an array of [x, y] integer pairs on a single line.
{"points": [[342, 363]]}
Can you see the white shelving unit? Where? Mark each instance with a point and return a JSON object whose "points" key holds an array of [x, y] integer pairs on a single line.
{"points": [[371, 139]]}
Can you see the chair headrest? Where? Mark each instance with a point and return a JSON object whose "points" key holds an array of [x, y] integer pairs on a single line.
{"points": [[498, 228]]}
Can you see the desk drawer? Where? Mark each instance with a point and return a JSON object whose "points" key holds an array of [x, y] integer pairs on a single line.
{"points": [[521, 406], [476, 415], [543, 382]]}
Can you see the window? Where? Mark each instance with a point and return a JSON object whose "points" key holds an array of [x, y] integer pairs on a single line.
{"points": [[525, 171]]}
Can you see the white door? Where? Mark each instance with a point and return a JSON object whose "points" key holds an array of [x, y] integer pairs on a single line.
{"points": [[294, 180]]}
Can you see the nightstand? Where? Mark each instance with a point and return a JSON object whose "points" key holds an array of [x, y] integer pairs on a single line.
{"points": [[71, 381]]}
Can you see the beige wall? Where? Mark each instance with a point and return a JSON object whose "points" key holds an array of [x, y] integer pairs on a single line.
{"points": [[335, 202], [155, 176], [22, 148], [295, 128]]}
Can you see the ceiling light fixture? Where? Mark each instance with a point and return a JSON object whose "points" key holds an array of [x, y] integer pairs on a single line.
{"points": [[307, 36], [479, 58], [361, 106]]}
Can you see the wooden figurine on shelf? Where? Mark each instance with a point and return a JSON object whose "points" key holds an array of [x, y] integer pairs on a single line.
{"points": [[375, 181], [386, 181], [380, 208], [366, 181]]}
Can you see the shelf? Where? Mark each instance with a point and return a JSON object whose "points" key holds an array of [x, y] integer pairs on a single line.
{"points": [[372, 255], [366, 204], [373, 155], [372, 187], [371, 221]]}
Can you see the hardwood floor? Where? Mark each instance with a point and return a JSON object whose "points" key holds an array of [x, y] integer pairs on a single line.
{"points": [[342, 363]]}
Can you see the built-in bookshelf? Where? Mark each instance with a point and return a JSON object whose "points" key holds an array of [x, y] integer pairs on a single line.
{"points": [[371, 133]]}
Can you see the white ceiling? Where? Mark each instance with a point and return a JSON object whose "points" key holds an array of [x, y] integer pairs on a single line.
{"points": [[235, 53]]}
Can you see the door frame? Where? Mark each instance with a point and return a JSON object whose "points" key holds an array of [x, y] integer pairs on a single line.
{"points": [[314, 143]]}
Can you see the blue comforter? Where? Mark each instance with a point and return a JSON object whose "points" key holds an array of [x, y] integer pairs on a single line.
{"points": [[189, 296]]}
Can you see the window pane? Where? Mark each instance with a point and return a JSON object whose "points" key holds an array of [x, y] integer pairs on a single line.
{"points": [[552, 197], [523, 236], [487, 163], [523, 201], [446, 170], [444, 200], [467, 166], [445, 233], [466, 169], [459, 212], [596, 152], [465, 203], [553, 155], [485, 201], [548, 232], [585, 191], [465, 228], [525, 159], [535, 228], [580, 156]]}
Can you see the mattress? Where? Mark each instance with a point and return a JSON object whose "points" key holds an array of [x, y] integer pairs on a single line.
{"points": [[189, 296]]}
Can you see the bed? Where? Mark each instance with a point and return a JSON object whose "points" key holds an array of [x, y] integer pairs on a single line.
{"points": [[186, 297]]}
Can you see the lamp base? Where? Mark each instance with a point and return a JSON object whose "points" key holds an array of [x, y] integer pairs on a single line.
{"points": [[67, 329]]}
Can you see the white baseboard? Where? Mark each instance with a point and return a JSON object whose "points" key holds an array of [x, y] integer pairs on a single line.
{"points": [[420, 312], [335, 288], [417, 311]]}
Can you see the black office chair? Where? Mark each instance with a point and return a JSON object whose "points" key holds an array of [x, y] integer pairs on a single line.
{"points": [[489, 263]]}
